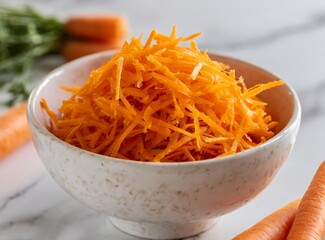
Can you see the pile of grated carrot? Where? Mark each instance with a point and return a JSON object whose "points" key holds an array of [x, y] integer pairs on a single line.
{"points": [[163, 102]]}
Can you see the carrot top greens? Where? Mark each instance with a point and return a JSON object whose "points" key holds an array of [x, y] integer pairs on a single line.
{"points": [[25, 35], [163, 102]]}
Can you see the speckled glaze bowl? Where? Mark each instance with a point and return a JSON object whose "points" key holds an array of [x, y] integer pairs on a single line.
{"points": [[162, 200]]}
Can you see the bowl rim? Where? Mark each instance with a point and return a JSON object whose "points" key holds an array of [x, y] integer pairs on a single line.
{"points": [[32, 119]]}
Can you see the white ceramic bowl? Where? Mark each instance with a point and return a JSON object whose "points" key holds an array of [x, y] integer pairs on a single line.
{"points": [[162, 200]]}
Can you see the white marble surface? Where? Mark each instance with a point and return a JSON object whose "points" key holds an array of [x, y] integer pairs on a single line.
{"points": [[285, 37]]}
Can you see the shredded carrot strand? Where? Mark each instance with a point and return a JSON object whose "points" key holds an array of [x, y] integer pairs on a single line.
{"points": [[118, 76], [163, 102]]}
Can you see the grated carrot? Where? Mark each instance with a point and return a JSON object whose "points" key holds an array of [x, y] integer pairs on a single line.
{"points": [[163, 102]]}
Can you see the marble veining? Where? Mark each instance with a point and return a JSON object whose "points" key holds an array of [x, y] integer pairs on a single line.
{"points": [[17, 195], [315, 23], [313, 101], [286, 37]]}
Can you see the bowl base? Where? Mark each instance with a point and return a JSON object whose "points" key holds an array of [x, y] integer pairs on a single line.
{"points": [[163, 230]]}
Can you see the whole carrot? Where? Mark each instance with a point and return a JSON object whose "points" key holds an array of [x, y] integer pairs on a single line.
{"points": [[273, 227], [14, 130], [99, 28], [73, 49], [309, 223]]}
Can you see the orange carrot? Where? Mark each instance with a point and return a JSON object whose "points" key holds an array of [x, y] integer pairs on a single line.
{"points": [[273, 227], [73, 49], [98, 28], [309, 223], [14, 130]]}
